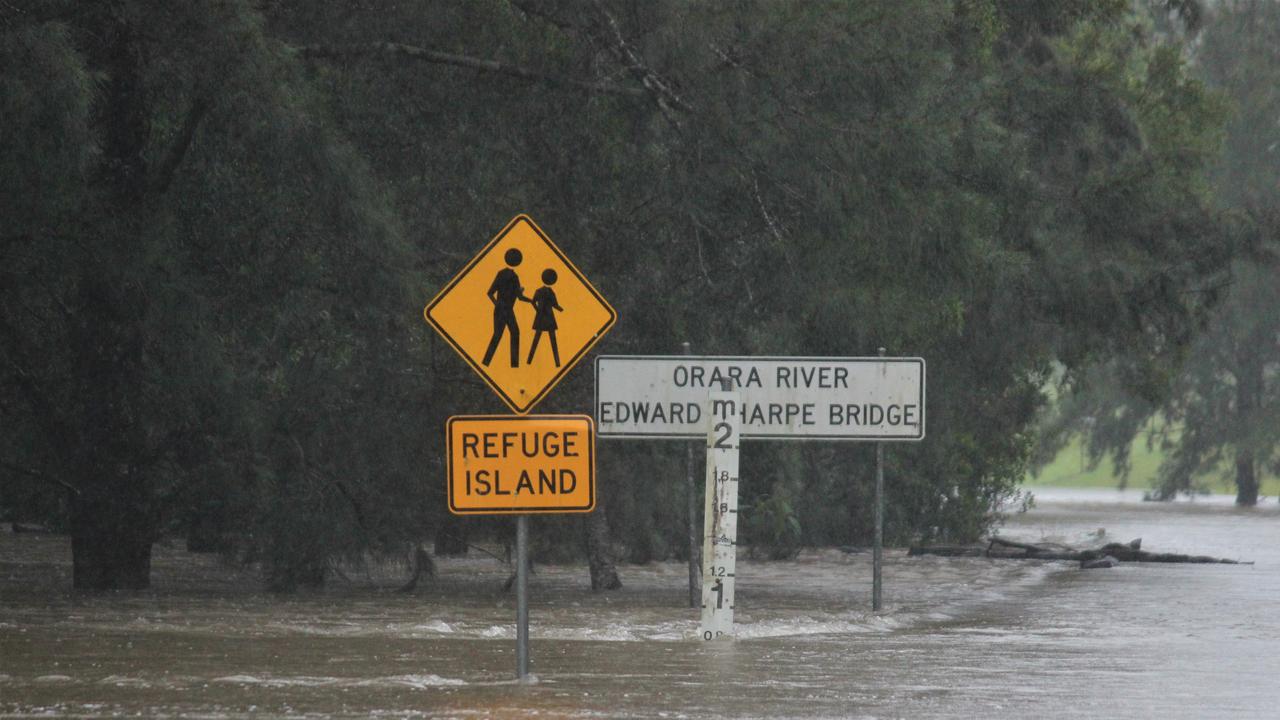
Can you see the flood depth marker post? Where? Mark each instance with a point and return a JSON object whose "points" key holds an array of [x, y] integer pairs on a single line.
{"points": [[720, 532]]}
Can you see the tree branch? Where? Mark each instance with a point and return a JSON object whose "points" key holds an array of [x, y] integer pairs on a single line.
{"points": [[356, 509], [773, 226], [39, 476], [169, 165], [533, 10], [663, 94], [36, 13], [698, 228], [419, 54]]}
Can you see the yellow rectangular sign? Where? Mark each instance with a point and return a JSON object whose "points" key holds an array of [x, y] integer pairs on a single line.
{"points": [[530, 464]]}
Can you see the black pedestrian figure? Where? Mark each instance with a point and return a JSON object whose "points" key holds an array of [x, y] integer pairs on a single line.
{"points": [[504, 292], [544, 318]]}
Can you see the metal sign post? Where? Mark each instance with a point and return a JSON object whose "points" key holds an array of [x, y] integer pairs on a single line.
{"points": [[695, 558], [522, 597], [720, 534], [877, 550]]}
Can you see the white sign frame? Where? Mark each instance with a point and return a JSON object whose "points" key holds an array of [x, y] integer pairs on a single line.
{"points": [[852, 384]]}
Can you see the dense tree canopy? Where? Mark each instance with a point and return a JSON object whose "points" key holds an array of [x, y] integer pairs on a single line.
{"points": [[189, 324], [1216, 410], [223, 219]]}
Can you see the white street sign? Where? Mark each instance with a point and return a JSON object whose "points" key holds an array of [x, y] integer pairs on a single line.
{"points": [[720, 527], [799, 398]]}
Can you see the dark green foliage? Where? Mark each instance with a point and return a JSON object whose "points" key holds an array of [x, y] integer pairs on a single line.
{"points": [[208, 293], [1217, 404], [1226, 400], [237, 215]]}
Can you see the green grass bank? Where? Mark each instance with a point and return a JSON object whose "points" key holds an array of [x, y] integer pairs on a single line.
{"points": [[1070, 469]]}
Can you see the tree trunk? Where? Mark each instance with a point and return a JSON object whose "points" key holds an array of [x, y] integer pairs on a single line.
{"points": [[111, 544], [1246, 479], [1248, 399], [1002, 549], [113, 516], [422, 565], [604, 574]]}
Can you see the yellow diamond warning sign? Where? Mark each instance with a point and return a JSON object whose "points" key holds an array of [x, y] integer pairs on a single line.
{"points": [[534, 464], [521, 314]]}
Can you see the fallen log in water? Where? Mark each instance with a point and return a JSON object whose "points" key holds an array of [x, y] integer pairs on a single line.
{"points": [[949, 550], [1004, 549]]}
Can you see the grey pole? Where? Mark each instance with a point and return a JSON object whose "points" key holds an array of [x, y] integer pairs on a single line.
{"points": [[695, 562], [878, 548], [522, 597]]}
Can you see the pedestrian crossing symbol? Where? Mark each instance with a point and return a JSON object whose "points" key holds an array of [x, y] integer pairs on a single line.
{"points": [[520, 314]]}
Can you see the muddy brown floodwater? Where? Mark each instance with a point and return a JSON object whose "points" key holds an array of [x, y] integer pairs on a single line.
{"points": [[958, 638]]}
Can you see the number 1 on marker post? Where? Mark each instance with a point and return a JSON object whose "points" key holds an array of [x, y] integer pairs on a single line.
{"points": [[720, 523]]}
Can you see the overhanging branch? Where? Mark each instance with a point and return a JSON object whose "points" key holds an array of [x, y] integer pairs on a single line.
{"points": [[40, 476], [662, 92], [169, 166], [410, 52]]}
